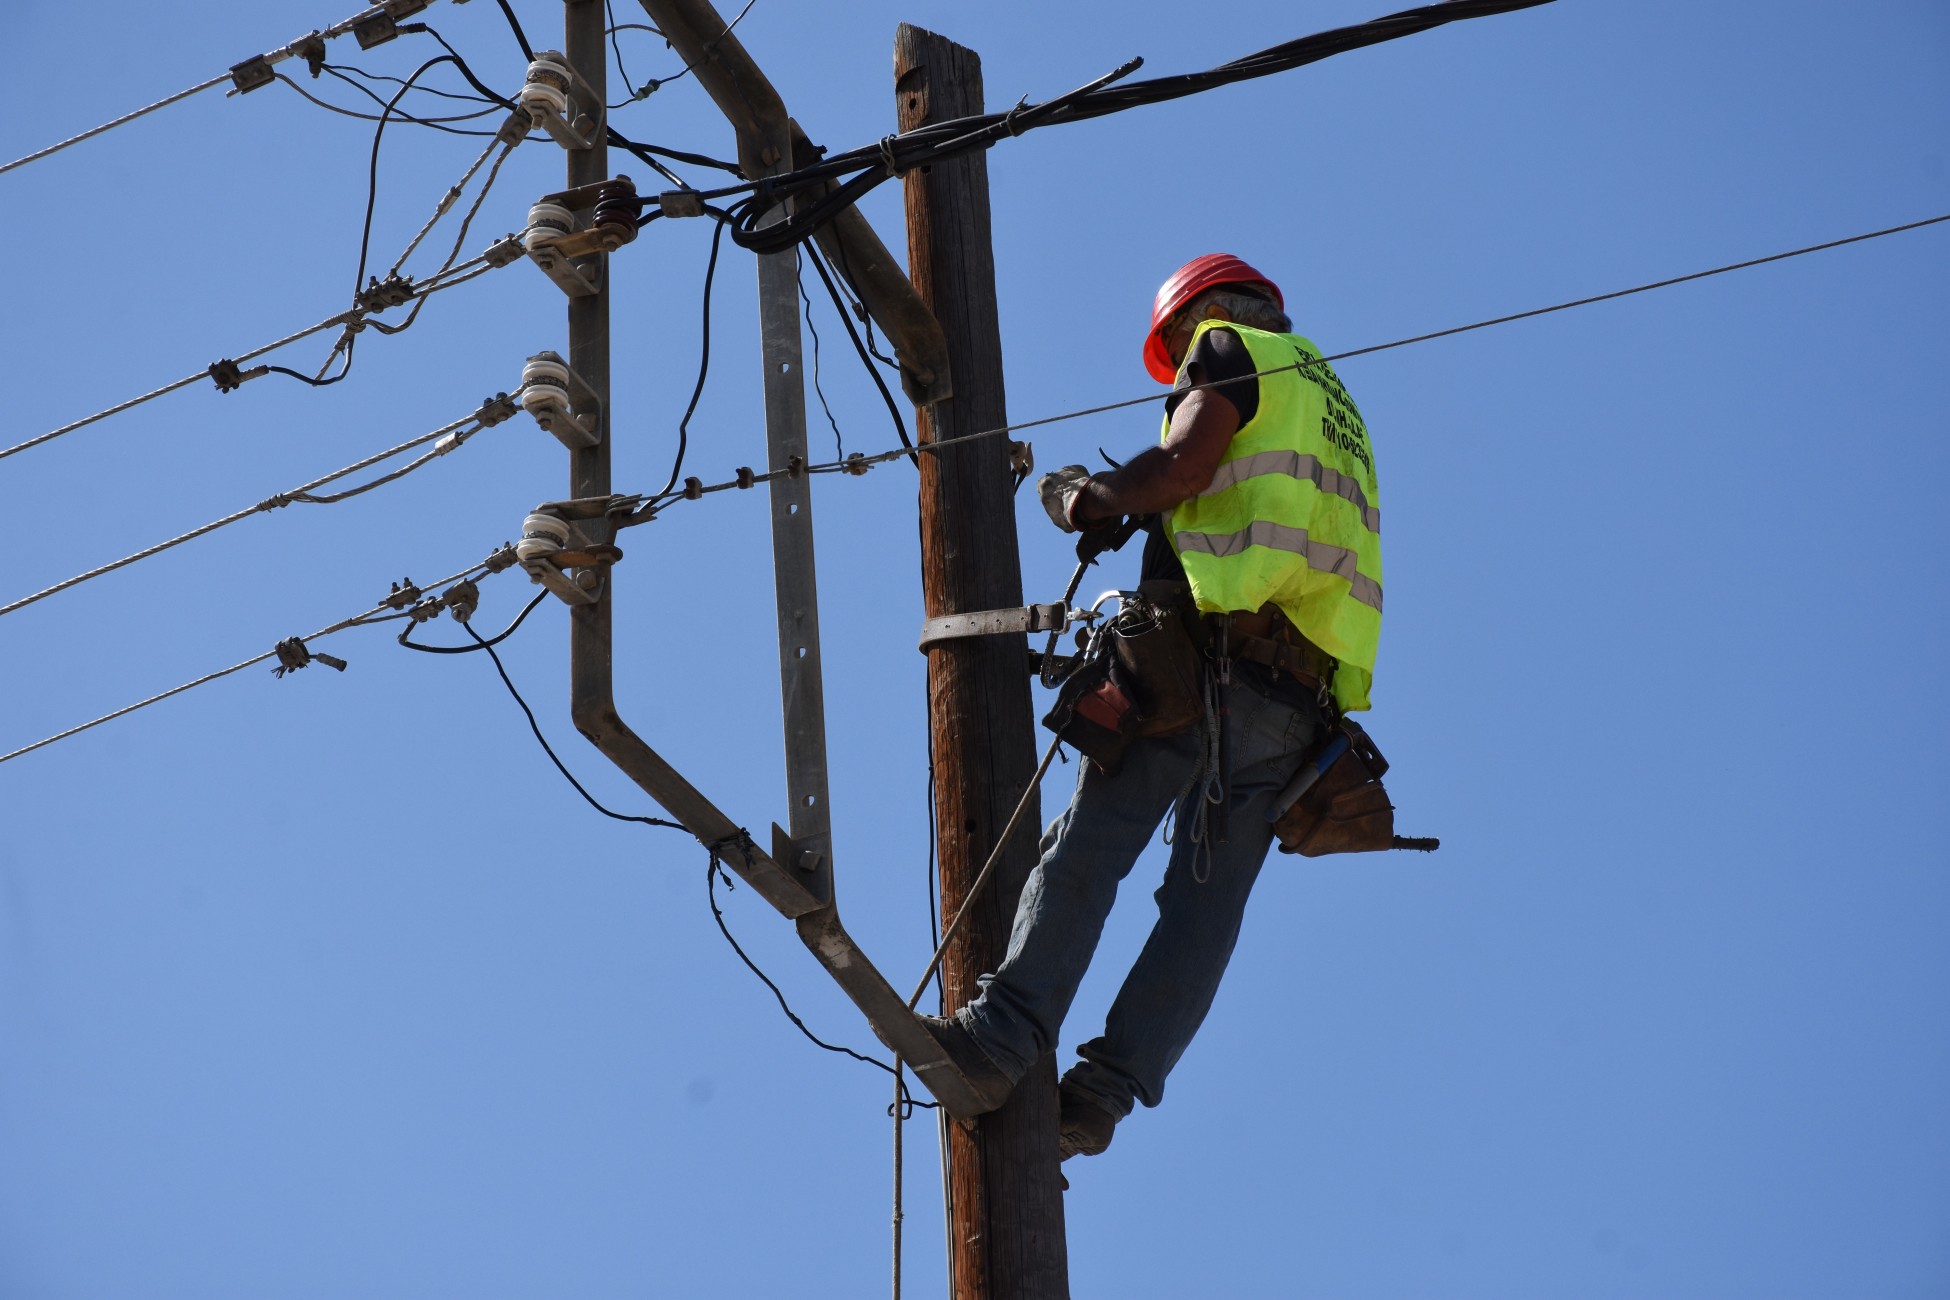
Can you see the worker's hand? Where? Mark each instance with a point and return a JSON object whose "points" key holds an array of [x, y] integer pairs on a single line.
{"points": [[1059, 494]]}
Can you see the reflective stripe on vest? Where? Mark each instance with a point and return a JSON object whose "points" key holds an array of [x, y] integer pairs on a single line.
{"points": [[1292, 516], [1294, 464], [1327, 558]]}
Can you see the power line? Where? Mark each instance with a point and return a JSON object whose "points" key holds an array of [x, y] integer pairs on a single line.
{"points": [[383, 612], [435, 123], [447, 437], [646, 508], [227, 374], [245, 77], [92, 132], [896, 155]]}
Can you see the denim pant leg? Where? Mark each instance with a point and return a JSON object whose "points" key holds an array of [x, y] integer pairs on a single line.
{"points": [[1085, 853], [1170, 988]]}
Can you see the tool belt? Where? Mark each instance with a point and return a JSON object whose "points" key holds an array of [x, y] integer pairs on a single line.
{"points": [[1268, 638], [1147, 679]]}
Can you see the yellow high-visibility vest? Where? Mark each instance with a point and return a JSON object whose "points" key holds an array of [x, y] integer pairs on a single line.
{"points": [[1293, 515]]}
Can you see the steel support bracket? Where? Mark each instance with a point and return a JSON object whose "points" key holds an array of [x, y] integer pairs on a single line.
{"points": [[580, 422], [576, 279], [582, 125]]}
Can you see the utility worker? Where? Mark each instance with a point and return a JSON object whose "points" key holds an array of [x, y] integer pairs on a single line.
{"points": [[1263, 502]]}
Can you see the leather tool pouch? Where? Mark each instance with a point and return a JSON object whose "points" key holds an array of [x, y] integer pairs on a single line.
{"points": [[1346, 810], [1094, 715], [1158, 661]]}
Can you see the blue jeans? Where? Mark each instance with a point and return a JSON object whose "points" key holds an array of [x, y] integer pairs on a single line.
{"points": [[1089, 849]]}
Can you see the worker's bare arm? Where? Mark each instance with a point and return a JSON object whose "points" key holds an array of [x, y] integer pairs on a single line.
{"points": [[1166, 475]]}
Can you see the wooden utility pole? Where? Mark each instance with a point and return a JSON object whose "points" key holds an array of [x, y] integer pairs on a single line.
{"points": [[1006, 1202]]}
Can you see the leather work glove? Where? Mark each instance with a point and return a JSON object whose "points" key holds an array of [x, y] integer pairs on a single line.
{"points": [[1059, 494]]}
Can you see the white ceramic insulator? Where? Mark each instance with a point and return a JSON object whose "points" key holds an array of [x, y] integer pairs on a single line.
{"points": [[541, 535], [542, 101], [547, 222], [545, 401], [545, 385]]}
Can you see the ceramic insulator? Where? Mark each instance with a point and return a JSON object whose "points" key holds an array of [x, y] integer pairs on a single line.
{"points": [[541, 535]]}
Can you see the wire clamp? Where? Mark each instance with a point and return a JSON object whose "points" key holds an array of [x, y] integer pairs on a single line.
{"points": [[693, 489], [561, 401], [498, 409], [311, 48], [228, 378], [681, 203], [404, 593], [857, 464], [294, 654], [503, 251], [380, 294], [254, 73], [745, 476], [1022, 461], [560, 102], [461, 600]]}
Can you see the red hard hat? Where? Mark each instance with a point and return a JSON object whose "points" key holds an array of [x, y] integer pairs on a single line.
{"points": [[1185, 284]]}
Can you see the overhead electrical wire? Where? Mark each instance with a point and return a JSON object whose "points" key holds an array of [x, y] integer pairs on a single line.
{"points": [[898, 154], [448, 437], [293, 50], [227, 373], [703, 364], [645, 508], [92, 132], [383, 612], [905, 1101]]}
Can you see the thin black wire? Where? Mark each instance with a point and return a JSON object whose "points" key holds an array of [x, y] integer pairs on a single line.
{"points": [[616, 46], [846, 319], [405, 636], [865, 317], [651, 505], [433, 123], [547, 749], [896, 155], [342, 353], [712, 871], [712, 46], [799, 277], [343, 68], [703, 363], [372, 177], [648, 154], [514, 24]]}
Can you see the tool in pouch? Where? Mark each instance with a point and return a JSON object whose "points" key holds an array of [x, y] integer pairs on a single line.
{"points": [[1139, 675], [1336, 802]]}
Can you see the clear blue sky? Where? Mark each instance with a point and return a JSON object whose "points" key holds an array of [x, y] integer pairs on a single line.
{"points": [[329, 986]]}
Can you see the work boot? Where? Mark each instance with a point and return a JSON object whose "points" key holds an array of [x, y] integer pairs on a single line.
{"points": [[1084, 1127], [985, 1079]]}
